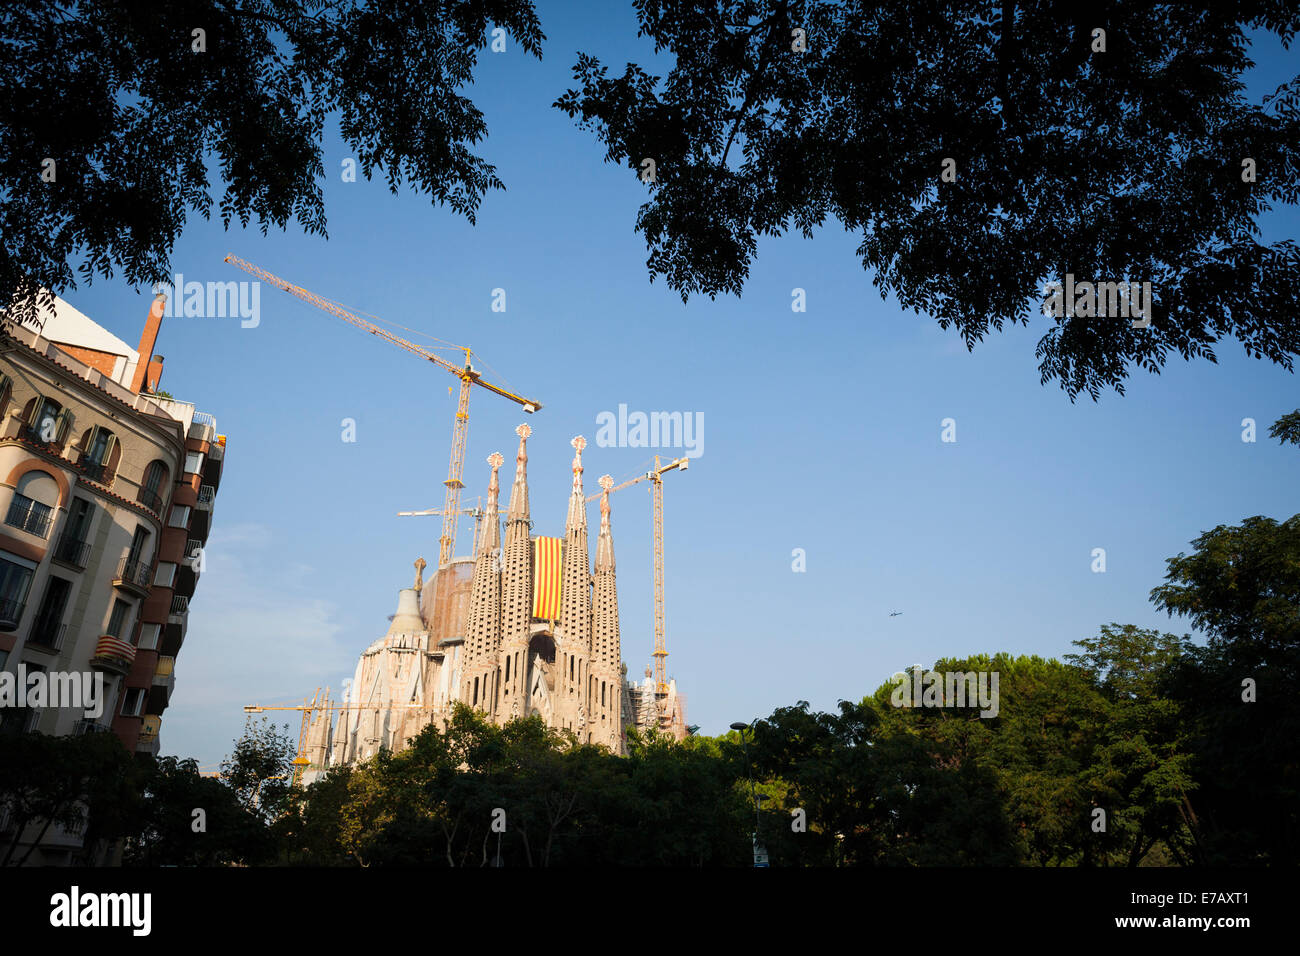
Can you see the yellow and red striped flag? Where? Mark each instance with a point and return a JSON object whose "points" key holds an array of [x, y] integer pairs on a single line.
{"points": [[547, 574]]}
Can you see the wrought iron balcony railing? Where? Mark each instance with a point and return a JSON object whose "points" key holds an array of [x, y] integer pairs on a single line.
{"points": [[70, 549], [30, 516]]}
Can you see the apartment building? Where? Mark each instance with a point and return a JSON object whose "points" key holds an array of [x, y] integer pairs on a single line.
{"points": [[106, 496]]}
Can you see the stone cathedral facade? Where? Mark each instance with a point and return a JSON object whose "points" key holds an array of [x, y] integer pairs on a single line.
{"points": [[526, 626]]}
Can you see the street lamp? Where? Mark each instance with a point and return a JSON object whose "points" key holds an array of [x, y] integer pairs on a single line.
{"points": [[760, 851]]}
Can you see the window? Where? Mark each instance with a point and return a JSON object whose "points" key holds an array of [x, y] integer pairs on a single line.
{"points": [[149, 636], [79, 516], [49, 421], [15, 579], [117, 620], [98, 452], [48, 624], [180, 516], [133, 702], [165, 574], [193, 462], [154, 475], [138, 542], [150, 495]]}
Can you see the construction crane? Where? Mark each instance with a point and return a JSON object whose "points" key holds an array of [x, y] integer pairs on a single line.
{"points": [[316, 703], [478, 514], [467, 374], [655, 477]]}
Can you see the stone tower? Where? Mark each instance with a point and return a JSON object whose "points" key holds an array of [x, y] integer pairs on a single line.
{"points": [[516, 605], [483, 623], [607, 653]]}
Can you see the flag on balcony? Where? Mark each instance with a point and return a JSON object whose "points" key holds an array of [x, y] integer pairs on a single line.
{"points": [[547, 568]]}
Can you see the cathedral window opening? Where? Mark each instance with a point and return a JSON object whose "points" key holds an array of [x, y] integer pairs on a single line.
{"points": [[508, 670], [474, 703]]}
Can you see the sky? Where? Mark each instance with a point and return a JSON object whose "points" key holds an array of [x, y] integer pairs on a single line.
{"points": [[821, 434]]}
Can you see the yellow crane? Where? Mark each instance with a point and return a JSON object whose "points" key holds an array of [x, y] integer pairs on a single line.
{"points": [[655, 477], [477, 513], [467, 374], [315, 703]]}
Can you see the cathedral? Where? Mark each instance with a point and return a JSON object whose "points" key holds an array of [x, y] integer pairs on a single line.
{"points": [[523, 627]]}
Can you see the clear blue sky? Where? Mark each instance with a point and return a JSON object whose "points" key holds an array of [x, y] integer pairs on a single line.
{"points": [[822, 432]]}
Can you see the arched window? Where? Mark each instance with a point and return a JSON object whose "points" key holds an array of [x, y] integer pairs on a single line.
{"points": [[155, 478], [99, 454], [33, 504], [48, 422]]}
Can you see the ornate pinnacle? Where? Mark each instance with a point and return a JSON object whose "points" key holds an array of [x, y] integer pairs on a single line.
{"points": [[523, 431], [578, 443], [494, 485], [606, 483]]}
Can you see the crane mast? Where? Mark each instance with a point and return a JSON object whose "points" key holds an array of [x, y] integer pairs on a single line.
{"points": [[655, 477]]}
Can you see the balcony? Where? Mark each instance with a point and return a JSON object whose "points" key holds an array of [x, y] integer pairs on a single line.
{"points": [[113, 654], [11, 613], [151, 500], [132, 576], [164, 675], [180, 605], [47, 634], [72, 551], [147, 742], [206, 494], [28, 515], [96, 471]]}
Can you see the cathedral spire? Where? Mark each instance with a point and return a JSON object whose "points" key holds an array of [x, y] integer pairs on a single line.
{"points": [[492, 533], [575, 592], [605, 543], [606, 646], [519, 491], [577, 503]]}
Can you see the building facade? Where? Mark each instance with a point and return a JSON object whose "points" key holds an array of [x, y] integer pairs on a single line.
{"points": [[526, 626], [106, 494]]}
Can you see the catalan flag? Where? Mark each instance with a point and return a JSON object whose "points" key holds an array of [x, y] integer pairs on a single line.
{"points": [[547, 573]]}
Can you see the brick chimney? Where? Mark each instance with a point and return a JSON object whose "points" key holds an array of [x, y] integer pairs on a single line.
{"points": [[155, 372], [148, 338]]}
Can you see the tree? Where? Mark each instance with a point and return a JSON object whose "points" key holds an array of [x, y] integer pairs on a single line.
{"points": [[260, 771], [1287, 428], [1142, 767], [192, 820], [112, 115], [1241, 585], [1107, 156], [46, 781]]}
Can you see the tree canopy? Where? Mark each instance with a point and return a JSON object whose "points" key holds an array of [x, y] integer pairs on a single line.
{"points": [[114, 115], [1105, 143]]}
